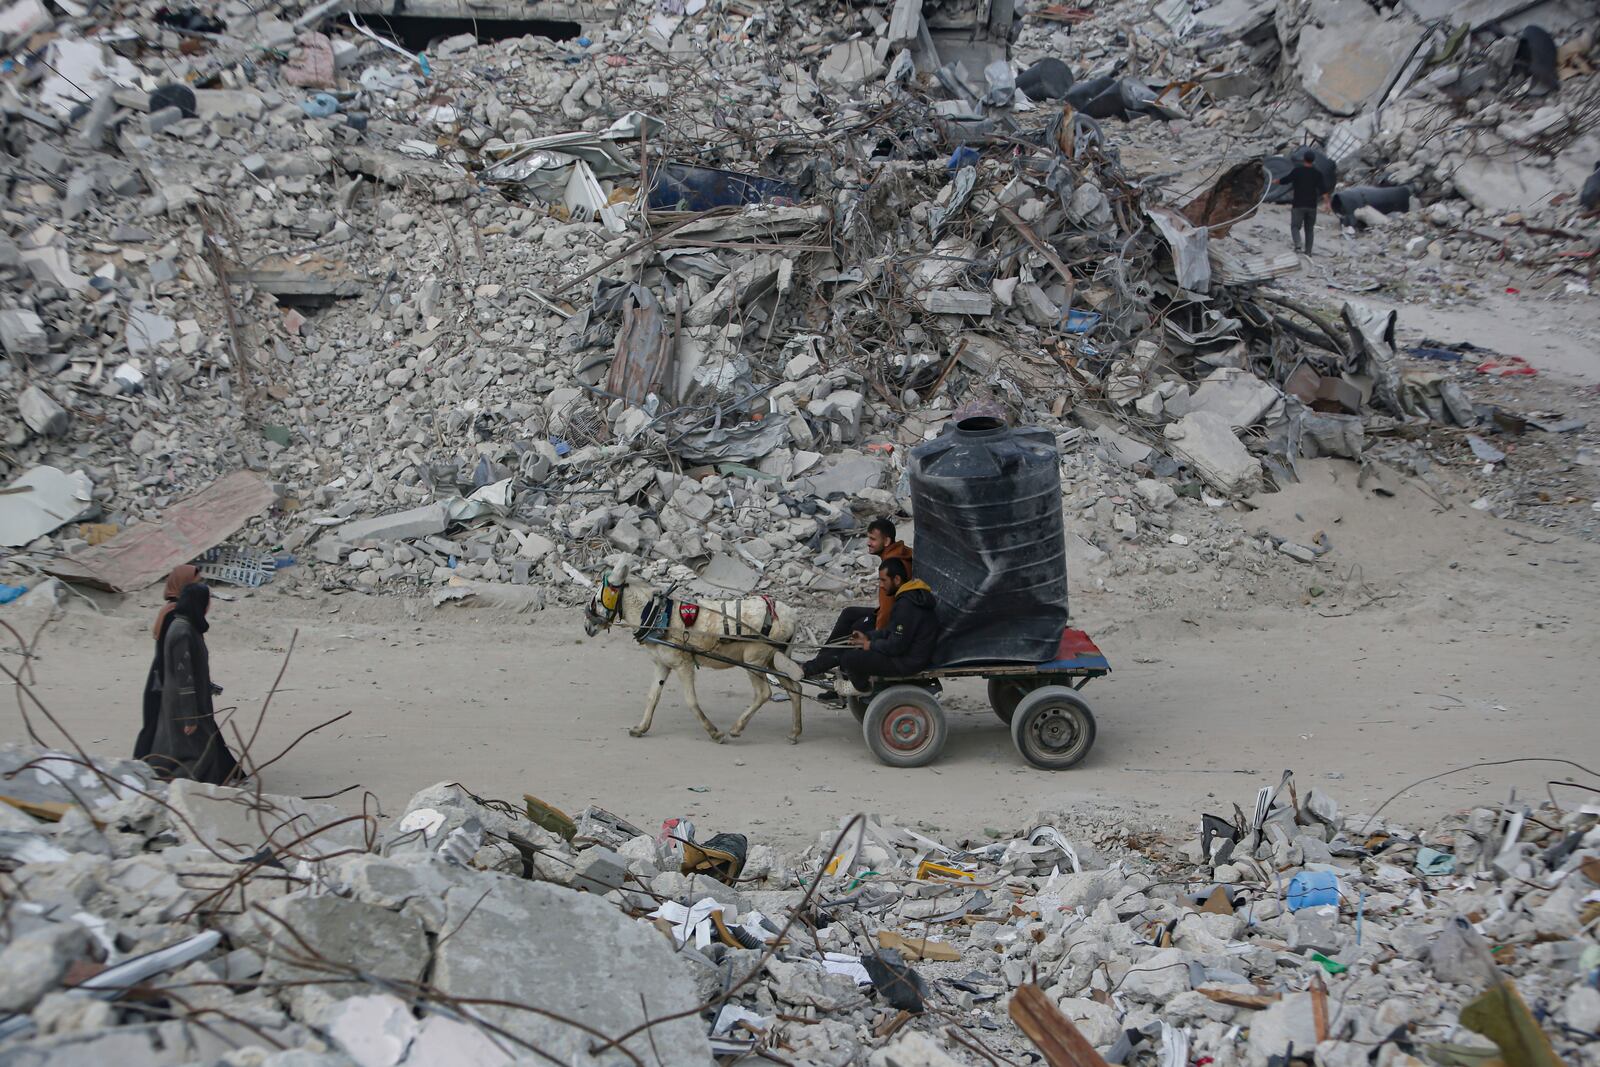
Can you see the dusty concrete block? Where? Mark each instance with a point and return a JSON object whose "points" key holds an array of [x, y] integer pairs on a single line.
{"points": [[235, 825], [34, 963], [348, 933], [41, 414], [425, 521], [22, 333], [1206, 442], [572, 954]]}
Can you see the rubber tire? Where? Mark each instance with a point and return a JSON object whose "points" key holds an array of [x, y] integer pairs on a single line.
{"points": [[904, 704], [857, 706], [1036, 712], [1006, 692]]}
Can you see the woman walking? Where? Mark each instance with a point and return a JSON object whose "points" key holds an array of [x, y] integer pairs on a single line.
{"points": [[187, 742], [184, 574]]}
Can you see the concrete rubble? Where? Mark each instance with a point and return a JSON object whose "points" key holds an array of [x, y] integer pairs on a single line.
{"points": [[491, 312], [469, 930]]}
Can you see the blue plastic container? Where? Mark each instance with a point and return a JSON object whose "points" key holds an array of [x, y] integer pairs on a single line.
{"points": [[1310, 889]]}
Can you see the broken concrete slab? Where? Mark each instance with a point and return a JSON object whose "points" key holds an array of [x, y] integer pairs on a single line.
{"points": [[424, 521], [22, 333], [147, 331], [235, 824], [41, 500], [40, 412], [1349, 56], [1237, 396], [573, 955], [726, 572], [51, 777], [956, 302], [210, 104], [849, 64], [1205, 441], [1290, 1020], [1499, 184], [346, 935], [848, 472]]}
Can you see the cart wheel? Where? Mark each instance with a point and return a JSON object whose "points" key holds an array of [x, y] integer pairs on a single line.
{"points": [[857, 706], [904, 726], [1053, 728], [1006, 692]]}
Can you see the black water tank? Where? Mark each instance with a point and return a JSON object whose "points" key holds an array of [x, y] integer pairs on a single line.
{"points": [[990, 541]]}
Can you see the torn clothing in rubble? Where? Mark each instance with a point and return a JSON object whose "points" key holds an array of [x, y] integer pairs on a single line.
{"points": [[187, 742]]}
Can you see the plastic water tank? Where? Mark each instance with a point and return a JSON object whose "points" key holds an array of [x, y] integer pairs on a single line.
{"points": [[990, 541]]}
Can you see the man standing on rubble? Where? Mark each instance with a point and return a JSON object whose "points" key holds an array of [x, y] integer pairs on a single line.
{"points": [[1307, 185], [852, 620]]}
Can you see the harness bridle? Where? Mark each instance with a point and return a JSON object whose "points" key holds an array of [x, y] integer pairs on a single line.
{"points": [[606, 605]]}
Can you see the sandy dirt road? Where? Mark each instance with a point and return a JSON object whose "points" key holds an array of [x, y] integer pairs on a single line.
{"points": [[1451, 641]]}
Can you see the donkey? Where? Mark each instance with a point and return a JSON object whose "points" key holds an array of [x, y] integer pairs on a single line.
{"points": [[753, 633]]}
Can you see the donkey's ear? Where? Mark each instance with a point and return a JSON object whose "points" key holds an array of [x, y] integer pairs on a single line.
{"points": [[619, 573]]}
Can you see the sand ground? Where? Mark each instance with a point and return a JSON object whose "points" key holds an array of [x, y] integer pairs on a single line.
{"points": [[1451, 641]]}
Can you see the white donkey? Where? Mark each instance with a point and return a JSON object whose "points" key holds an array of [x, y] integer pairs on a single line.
{"points": [[753, 633]]}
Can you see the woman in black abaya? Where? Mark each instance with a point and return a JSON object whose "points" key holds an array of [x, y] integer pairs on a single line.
{"points": [[187, 742]]}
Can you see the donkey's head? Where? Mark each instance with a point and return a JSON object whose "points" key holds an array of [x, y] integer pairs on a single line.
{"points": [[606, 604]]}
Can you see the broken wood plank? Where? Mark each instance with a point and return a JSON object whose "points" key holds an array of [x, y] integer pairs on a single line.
{"points": [[1052, 1032], [919, 948], [1235, 999]]}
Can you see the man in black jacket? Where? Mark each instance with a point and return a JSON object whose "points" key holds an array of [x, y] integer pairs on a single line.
{"points": [[1308, 189], [905, 645]]}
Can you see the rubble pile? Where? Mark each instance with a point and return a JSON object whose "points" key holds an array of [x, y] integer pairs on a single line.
{"points": [[687, 286], [182, 923]]}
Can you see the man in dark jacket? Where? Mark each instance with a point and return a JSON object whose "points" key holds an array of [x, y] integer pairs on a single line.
{"points": [[1307, 185], [905, 646], [881, 543]]}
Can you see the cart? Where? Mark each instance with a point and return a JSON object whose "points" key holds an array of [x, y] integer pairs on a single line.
{"points": [[1050, 724]]}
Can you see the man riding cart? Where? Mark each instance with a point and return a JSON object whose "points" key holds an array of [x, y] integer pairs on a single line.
{"points": [[901, 645], [989, 601]]}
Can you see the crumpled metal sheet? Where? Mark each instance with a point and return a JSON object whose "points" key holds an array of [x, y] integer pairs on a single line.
{"points": [[644, 348], [1189, 244], [1372, 331], [740, 442]]}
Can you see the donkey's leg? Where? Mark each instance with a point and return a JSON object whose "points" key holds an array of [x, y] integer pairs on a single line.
{"points": [[761, 692], [795, 696], [685, 673], [650, 702]]}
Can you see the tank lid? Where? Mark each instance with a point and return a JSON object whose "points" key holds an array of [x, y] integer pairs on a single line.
{"points": [[980, 426]]}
